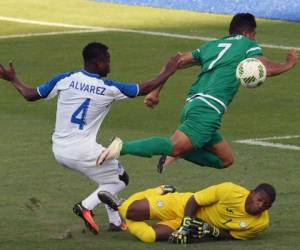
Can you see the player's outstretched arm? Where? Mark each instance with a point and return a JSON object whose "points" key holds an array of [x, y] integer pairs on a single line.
{"points": [[205, 231], [275, 68], [185, 60], [9, 74], [169, 69]]}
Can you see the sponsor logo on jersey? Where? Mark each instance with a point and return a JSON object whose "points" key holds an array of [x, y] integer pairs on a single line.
{"points": [[160, 204], [243, 224]]}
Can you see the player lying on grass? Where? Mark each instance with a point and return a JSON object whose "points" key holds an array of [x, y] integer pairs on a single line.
{"points": [[84, 99], [197, 139], [221, 212]]}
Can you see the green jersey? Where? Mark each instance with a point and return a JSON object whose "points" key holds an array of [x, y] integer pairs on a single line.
{"points": [[217, 83]]}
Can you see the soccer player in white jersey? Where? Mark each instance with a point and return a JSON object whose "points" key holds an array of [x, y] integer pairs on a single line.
{"points": [[84, 99]]}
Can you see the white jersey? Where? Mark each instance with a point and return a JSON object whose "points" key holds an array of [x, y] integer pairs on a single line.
{"points": [[84, 100]]}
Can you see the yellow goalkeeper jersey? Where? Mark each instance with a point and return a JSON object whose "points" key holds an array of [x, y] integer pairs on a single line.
{"points": [[223, 205]]}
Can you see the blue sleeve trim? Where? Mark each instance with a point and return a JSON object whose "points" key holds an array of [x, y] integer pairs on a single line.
{"points": [[129, 89], [45, 89]]}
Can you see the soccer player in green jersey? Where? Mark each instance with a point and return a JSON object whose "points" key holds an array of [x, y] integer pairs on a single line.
{"points": [[197, 138]]}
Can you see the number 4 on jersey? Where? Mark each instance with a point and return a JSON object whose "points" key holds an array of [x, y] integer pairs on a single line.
{"points": [[79, 115]]}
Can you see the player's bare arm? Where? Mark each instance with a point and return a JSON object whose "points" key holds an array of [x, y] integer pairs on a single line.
{"points": [[169, 69], [185, 60], [9, 74], [274, 68], [213, 233]]}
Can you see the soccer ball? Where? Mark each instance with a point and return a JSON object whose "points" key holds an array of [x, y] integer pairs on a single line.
{"points": [[251, 73]]}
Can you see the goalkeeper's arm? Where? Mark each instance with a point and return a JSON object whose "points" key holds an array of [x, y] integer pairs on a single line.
{"points": [[213, 233], [210, 232]]}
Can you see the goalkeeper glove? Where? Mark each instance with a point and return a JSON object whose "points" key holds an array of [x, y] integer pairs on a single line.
{"points": [[181, 236], [186, 222], [200, 229]]}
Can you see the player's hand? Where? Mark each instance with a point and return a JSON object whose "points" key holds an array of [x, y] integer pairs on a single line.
{"points": [[180, 236], [7, 74], [186, 222], [292, 57], [200, 229], [151, 100]]}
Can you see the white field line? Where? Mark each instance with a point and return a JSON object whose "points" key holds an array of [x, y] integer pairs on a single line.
{"points": [[51, 33], [263, 142], [144, 32]]}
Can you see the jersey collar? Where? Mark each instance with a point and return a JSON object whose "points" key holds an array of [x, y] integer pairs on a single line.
{"points": [[90, 74]]}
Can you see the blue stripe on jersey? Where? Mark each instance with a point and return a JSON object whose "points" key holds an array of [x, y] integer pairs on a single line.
{"points": [[128, 89], [45, 89]]}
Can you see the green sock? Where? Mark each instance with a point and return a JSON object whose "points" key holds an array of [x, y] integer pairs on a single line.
{"points": [[148, 147], [204, 158]]}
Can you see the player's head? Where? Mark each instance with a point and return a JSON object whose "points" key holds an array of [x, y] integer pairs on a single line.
{"points": [[96, 58], [243, 24], [260, 199]]}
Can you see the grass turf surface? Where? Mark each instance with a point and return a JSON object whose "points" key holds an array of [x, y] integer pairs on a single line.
{"points": [[37, 195]]}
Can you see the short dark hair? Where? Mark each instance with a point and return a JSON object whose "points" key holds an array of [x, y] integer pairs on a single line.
{"points": [[242, 22], [94, 51], [268, 189]]}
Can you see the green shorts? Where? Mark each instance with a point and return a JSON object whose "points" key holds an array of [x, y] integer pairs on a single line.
{"points": [[200, 123]]}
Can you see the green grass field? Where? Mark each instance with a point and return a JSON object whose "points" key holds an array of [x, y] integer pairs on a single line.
{"points": [[37, 195]]}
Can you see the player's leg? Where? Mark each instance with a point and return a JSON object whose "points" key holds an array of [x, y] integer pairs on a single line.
{"points": [[147, 233], [142, 206], [83, 211], [112, 178], [216, 153], [115, 221], [136, 207], [198, 123], [177, 145], [162, 232], [223, 151], [181, 144], [140, 210], [149, 147]]}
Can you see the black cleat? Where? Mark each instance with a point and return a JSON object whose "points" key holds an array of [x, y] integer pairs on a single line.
{"points": [[167, 189], [161, 162], [109, 199], [113, 228]]}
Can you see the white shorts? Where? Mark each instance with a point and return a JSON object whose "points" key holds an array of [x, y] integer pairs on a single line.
{"points": [[107, 173]]}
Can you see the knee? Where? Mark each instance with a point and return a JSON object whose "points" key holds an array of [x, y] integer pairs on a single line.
{"points": [[125, 178], [180, 150], [131, 213], [138, 211], [176, 152], [144, 233], [228, 161], [147, 236]]}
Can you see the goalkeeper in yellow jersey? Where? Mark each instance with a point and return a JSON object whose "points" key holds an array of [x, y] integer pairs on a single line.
{"points": [[221, 212]]}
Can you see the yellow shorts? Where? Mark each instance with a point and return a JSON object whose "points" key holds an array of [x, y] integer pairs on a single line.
{"points": [[168, 209]]}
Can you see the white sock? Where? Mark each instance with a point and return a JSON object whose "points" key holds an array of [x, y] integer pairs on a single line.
{"points": [[113, 216], [92, 201]]}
